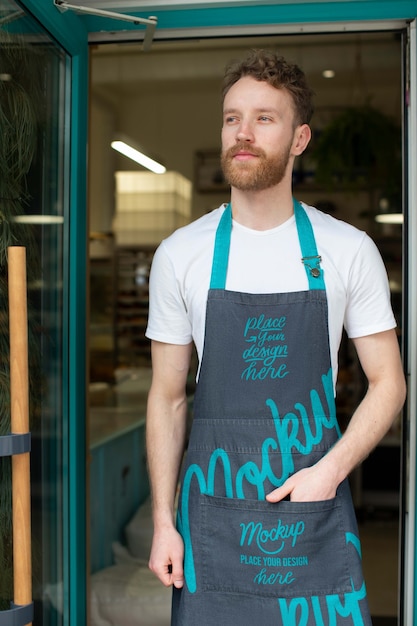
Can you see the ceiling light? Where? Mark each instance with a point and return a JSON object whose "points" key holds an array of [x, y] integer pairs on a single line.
{"points": [[329, 73], [388, 215], [38, 219], [132, 153], [389, 218]]}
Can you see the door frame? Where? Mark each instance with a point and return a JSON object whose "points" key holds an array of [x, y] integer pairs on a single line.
{"points": [[408, 522], [407, 578]]}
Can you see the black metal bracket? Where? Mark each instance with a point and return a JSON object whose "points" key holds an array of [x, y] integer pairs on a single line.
{"points": [[14, 444], [18, 615]]}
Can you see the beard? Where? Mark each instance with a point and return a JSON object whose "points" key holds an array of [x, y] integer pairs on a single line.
{"points": [[266, 171]]}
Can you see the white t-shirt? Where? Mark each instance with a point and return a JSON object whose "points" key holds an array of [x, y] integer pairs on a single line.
{"points": [[268, 262]]}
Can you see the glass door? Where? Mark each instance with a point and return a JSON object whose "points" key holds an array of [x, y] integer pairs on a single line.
{"points": [[37, 125]]}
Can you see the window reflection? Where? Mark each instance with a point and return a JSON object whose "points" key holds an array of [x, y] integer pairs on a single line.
{"points": [[32, 173]]}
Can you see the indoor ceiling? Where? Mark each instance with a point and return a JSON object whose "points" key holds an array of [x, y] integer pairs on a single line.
{"points": [[363, 63]]}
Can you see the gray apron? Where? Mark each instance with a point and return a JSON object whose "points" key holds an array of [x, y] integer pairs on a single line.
{"points": [[264, 408]]}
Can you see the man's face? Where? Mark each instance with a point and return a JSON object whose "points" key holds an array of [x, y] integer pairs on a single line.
{"points": [[257, 135]]}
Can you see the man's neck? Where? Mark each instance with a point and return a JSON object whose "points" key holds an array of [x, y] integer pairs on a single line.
{"points": [[262, 210]]}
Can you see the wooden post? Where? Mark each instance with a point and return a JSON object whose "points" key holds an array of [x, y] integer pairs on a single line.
{"points": [[19, 396]]}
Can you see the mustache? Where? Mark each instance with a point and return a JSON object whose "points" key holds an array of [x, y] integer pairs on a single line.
{"points": [[242, 146]]}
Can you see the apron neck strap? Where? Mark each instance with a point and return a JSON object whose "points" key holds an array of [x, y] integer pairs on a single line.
{"points": [[221, 250], [310, 256]]}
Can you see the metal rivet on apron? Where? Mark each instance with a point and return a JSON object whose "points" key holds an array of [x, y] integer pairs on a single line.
{"points": [[314, 271]]}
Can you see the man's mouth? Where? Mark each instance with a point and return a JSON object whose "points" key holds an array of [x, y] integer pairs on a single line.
{"points": [[243, 153]]}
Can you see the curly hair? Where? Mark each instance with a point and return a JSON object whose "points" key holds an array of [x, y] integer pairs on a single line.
{"points": [[267, 66]]}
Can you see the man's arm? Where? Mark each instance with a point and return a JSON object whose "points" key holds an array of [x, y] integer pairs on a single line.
{"points": [[165, 436], [379, 356]]}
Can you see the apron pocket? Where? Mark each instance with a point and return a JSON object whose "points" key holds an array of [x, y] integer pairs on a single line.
{"points": [[286, 549]]}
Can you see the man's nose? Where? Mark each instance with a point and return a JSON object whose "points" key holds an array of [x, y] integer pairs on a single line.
{"points": [[244, 132]]}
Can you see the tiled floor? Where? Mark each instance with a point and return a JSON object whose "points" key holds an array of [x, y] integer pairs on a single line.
{"points": [[380, 547]]}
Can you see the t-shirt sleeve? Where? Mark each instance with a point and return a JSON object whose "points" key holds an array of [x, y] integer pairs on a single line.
{"points": [[368, 308], [167, 321]]}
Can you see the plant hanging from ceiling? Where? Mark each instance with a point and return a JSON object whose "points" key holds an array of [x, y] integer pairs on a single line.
{"points": [[360, 148]]}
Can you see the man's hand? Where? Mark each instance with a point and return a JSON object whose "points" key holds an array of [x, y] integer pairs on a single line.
{"points": [[306, 485], [167, 558]]}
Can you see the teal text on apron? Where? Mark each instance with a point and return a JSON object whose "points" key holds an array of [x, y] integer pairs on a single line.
{"points": [[264, 409]]}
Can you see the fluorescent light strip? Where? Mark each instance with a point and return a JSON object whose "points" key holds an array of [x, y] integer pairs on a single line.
{"points": [[138, 157], [389, 218], [38, 219]]}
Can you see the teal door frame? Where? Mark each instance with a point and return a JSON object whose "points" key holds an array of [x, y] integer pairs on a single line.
{"points": [[70, 33], [300, 15], [73, 32]]}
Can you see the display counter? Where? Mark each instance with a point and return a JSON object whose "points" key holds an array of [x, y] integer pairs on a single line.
{"points": [[118, 475], [109, 423]]}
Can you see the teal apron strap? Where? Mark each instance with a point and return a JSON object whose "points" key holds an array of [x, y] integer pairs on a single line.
{"points": [[310, 256], [221, 250]]}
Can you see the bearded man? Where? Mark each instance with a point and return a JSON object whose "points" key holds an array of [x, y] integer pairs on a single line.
{"points": [[263, 286]]}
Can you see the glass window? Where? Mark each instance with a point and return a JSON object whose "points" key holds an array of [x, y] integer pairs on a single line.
{"points": [[33, 171]]}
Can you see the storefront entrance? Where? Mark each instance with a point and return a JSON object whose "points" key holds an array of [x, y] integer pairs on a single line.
{"points": [[128, 87], [52, 223]]}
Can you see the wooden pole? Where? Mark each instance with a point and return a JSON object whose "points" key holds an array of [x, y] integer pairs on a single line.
{"points": [[19, 396]]}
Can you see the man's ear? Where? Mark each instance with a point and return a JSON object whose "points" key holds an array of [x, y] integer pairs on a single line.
{"points": [[302, 136]]}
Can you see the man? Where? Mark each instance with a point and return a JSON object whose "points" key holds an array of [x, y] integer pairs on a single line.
{"points": [[265, 532]]}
